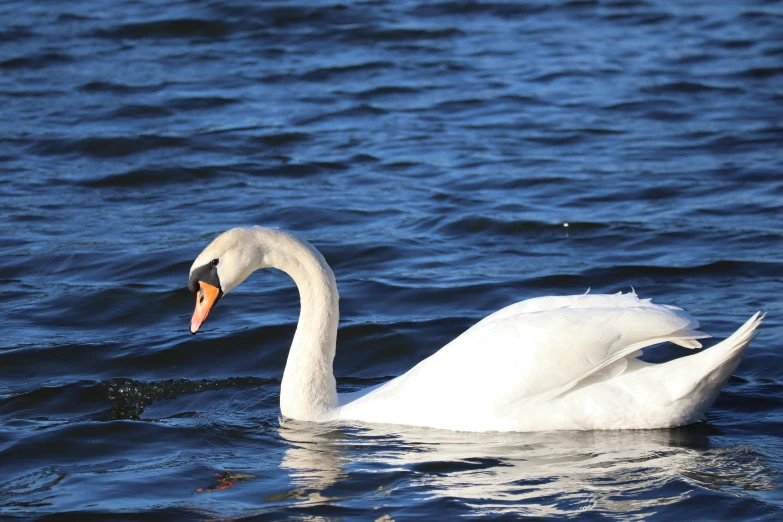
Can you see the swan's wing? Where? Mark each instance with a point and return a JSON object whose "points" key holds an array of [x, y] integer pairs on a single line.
{"points": [[534, 350]]}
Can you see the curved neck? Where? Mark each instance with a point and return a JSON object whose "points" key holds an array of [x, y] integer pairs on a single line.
{"points": [[308, 390]]}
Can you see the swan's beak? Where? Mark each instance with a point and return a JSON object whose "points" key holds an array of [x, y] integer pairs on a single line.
{"points": [[206, 297]]}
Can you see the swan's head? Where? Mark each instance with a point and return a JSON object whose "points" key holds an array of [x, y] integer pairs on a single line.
{"points": [[222, 266]]}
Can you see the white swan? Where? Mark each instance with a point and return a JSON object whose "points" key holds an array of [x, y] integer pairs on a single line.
{"points": [[550, 363]]}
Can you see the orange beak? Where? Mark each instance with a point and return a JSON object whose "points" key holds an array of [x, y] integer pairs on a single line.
{"points": [[206, 298]]}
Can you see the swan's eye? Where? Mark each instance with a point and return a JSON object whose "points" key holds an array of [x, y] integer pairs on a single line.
{"points": [[215, 262]]}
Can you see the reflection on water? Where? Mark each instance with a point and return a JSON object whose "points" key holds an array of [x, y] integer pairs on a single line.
{"points": [[622, 474], [315, 460]]}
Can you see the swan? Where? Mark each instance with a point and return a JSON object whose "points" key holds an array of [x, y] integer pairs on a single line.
{"points": [[547, 363]]}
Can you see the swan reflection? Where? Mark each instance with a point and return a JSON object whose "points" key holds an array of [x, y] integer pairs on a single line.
{"points": [[622, 474]]}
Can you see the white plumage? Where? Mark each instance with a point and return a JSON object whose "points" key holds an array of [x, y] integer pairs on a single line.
{"points": [[549, 363]]}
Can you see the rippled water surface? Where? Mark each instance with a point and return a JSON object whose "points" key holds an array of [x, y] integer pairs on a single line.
{"points": [[448, 158]]}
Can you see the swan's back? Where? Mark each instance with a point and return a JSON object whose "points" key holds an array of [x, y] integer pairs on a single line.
{"points": [[522, 357]]}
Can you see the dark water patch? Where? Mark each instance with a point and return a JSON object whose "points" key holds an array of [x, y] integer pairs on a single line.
{"points": [[643, 105], [168, 28], [311, 510], [448, 468], [557, 75], [773, 129], [107, 147], [386, 91], [21, 365], [100, 307], [282, 138], [360, 256], [376, 350], [558, 140], [56, 403], [695, 59], [733, 143], [213, 353], [764, 17], [688, 87], [457, 105], [672, 116], [734, 269], [523, 183], [31, 217], [206, 355], [658, 193], [36, 61], [15, 33], [496, 9], [352, 384], [112, 87], [639, 18], [133, 111], [329, 73], [119, 438], [400, 165], [580, 4], [153, 176], [495, 227], [641, 276], [441, 65], [30, 93], [737, 44], [151, 515], [358, 112], [628, 4], [294, 170], [293, 18], [303, 218], [363, 159], [763, 397], [599, 131], [400, 35], [130, 397], [521, 100], [761, 73], [199, 103], [74, 17]]}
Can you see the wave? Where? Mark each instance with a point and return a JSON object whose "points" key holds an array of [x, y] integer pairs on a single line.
{"points": [[103, 86], [36, 61], [148, 176], [167, 28], [761, 73], [689, 87], [495, 227], [107, 147], [321, 74], [130, 396]]}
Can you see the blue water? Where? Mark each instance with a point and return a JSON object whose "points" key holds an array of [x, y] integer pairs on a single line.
{"points": [[448, 158]]}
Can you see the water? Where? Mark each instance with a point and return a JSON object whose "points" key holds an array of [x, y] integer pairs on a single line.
{"points": [[434, 152]]}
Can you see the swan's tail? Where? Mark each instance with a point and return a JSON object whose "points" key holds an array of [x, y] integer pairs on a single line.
{"points": [[715, 364], [732, 348]]}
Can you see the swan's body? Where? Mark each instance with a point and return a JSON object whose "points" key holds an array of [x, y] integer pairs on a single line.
{"points": [[548, 363]]}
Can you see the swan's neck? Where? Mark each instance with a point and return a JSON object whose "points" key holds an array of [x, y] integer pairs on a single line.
{"points": [[308, 390]]}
